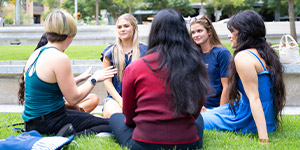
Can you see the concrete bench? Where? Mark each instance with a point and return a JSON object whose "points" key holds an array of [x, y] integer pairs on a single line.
{"points": [[10, 72]]}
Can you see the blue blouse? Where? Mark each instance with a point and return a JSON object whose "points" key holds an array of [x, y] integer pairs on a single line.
{"points": [[108, 53]]}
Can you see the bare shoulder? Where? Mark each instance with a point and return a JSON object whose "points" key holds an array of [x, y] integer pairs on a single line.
{"points": [[241, 57], [55, 59], [56, 56], [243, 60]]}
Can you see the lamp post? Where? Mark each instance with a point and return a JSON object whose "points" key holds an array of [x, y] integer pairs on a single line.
{"points": [[18, 12]]}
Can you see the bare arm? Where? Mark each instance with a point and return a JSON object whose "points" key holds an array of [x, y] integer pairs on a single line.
{"points": [[86, 74], [67, 84], [109, 85], [225, 93], [248, 74]]}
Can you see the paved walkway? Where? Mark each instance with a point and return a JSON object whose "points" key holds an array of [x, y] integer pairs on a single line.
{"points": [[17, 108]]}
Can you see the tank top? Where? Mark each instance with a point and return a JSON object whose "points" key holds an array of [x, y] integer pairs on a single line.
{"points": [[41, 98]]}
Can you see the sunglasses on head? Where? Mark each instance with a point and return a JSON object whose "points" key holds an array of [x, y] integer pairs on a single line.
{"points": [[199, 18]]}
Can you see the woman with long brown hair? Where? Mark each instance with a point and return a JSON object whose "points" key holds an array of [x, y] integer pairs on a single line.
{"points": [[164, 91], [256, 73], [215, 56]]}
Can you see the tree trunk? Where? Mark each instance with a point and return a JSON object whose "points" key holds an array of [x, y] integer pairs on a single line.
{"points": [[1, 8], [202, 8], [18, 12], [1, 14], [292, 19], [216, 13], [97, 12], [130, 5]]}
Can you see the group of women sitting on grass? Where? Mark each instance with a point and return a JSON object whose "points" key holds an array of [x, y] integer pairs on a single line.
{"points": [[156, 93]]}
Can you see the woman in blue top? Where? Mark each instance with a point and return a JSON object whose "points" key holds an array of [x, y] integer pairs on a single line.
{"points": [[256, 73], [120, 55], [215, 56], [49, 79]]}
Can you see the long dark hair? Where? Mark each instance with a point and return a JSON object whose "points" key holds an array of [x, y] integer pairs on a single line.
{"points": [[21, 92], [181, 60], [43, 41], [251, 34]]}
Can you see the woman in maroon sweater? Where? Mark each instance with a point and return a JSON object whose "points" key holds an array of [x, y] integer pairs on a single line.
{"points": [[164, 91]]}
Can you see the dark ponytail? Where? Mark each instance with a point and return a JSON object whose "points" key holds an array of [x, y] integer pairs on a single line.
{"points": [[21, 93]]}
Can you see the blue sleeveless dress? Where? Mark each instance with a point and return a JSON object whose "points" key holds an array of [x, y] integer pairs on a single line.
{"points": [[223, 119]]}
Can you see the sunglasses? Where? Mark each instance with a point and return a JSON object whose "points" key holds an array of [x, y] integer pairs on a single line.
{"points": [[200, 18]]}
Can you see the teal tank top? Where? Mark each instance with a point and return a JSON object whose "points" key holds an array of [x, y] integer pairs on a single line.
{"points": [[41, 98]]}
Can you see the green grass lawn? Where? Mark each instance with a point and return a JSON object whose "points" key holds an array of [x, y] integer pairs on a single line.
{"points": [[286, 137], [22, 52]]}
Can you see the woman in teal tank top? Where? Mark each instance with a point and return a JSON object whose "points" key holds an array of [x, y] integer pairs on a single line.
{"points": [[256, 73], [49, 79], [89, 103]]}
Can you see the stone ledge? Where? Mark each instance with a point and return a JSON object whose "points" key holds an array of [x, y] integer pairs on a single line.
{"points": [[16, 66], [292, 68], [8, 68], [10, 71]]}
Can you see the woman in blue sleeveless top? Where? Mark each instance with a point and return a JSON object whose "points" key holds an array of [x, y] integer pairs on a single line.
{"points": [[126, 50], [49, 79], [256, 73]]}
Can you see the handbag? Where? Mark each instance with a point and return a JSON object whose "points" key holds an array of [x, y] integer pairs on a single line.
{"points": [[33, 140], [288, 50]]}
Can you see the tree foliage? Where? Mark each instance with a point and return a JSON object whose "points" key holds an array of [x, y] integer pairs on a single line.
{"points": [[281, 6], [182, 6], [130, 4], [1, 6], [114, 7], [50, 3]]}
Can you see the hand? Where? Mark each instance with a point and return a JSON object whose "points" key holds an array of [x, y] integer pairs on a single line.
{"points": [[120, 102], [101, 75], [203, 109], [86, 74]]}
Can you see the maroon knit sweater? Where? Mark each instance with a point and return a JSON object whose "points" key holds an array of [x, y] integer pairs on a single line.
{"points": [[146, 107]]}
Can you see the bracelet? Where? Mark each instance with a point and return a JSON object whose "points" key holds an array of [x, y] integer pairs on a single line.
{"points": [[264, 141]]}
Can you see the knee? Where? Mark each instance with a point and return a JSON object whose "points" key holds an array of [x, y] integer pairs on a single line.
{"points": [[94, 98], [110, 108], [107, 113]]}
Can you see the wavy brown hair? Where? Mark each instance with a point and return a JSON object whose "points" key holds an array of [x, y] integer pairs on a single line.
{"points": [[251, 34], [21, 93], [207, 24]]}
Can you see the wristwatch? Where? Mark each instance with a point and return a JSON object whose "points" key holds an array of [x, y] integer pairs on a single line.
{"points": [[93, 81]]}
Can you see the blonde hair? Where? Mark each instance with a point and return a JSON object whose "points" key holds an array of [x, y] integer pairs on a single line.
{"points": [[117, 50], [60, 23]]}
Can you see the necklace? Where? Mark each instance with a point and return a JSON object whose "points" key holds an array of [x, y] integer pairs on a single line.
{"points": [[130, 52]]}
